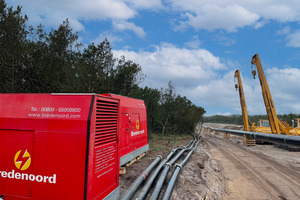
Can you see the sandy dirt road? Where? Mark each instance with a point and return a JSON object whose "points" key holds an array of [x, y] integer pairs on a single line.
{"points": [[226, 169], [251, 174]]}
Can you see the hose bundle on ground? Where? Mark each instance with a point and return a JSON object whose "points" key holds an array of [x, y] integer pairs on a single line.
{"points": [[140, 179], [164, 166]]}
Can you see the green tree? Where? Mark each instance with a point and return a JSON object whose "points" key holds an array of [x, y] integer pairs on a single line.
{"points": [[166, 110], [187, 115], [13, 40], [95, 68], [58, 63], [128, 75], [176, 114]]}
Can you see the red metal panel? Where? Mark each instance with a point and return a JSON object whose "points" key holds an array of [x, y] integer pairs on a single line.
{"points": [[124, 140], [62, 155], [44, 112], [136, 111], [103, 176], [16, 158]]}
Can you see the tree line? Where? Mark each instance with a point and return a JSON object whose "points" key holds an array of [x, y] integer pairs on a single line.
{"points": [[238, 119], [34, 60]]}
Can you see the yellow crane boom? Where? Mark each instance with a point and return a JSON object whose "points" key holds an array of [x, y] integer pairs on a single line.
{"points": [[262, 125], [277, 127], [239, 87]]}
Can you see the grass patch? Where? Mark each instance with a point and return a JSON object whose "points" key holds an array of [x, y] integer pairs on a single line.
{"points": [[164, 143]]}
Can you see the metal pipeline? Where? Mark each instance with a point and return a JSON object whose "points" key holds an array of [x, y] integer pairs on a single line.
{"points": [[146, 188], [268, 137], [165, 172], [140, 179], [176, 172]]}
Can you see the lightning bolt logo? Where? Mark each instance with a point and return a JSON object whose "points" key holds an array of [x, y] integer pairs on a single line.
{"points": [[137, 124], [24, 162]]}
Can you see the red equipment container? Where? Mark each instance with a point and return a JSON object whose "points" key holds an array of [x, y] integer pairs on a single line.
{"points": [[133, 138], [64, 146]]}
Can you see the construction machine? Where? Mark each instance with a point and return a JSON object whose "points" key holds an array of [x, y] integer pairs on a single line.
{"points": [[239, 87], [296, 126], [277, 126], [262, 125]]}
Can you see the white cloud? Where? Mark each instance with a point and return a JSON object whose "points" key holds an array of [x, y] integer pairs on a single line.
{"points": [[194, 43], [123, 25], [284, 86], [226, 41], [233, 14], [282, 12], [217, 91], [192, 71], [110, 37], [185, 67], [293, 39], [285, 30], [146, 4], [208, 81], [259, 24], [212, 17], [52, 13], [253, 96]]}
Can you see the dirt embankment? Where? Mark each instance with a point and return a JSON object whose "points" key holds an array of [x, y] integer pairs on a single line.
{"points": [[201, 178]]}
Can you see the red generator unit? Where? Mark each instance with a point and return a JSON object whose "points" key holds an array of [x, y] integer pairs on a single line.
{"points": [[133, 138], [67, 146]]}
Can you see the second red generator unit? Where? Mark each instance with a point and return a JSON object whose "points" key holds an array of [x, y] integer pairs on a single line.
{"points": [[133, 137]]}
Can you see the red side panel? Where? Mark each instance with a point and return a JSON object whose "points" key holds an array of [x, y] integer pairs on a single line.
{"points": [[103, 175], [60, 154], [125, 132], [134, 134], [44, 112]]}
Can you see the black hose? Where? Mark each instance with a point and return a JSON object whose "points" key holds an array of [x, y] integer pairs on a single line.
{"points": [[140, 179], [149, 182], [146, 188], [187, 147], [176, 172], [165, 172], [171, 184]]}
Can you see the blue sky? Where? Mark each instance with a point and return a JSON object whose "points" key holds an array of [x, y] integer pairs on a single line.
{"points": [[196, 44]]}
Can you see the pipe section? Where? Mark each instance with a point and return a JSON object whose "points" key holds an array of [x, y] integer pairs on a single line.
{"points": [[268, 137], [140, 179]]}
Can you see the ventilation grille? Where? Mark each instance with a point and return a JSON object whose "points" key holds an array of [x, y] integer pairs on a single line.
{"points": [[106, 122]]}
